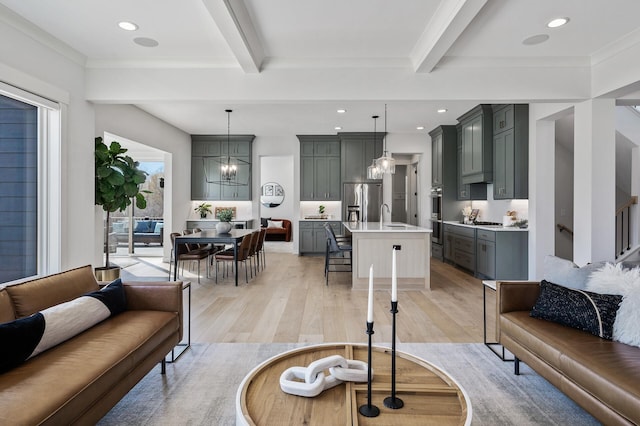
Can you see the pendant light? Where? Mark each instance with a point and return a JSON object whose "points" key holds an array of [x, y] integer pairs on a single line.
{"points": [[386, 163], [372, 171], [227, 168]]}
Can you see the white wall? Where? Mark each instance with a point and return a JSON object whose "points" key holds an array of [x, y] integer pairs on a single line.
{"points": [[34, 67], [134, 124], [278, 169]]}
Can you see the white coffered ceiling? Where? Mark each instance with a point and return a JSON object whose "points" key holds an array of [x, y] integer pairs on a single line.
{"points": [[285, 66]]}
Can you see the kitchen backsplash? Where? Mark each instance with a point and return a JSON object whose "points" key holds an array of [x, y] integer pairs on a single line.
{"points": [[243, 209], [333, 209], [493, 210]]}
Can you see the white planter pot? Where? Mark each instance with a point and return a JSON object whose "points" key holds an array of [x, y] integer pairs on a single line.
{"points": [[223, 227]]}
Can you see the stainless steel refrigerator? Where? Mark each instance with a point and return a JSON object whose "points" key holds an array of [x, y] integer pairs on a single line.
{"points": [[361, 201]]}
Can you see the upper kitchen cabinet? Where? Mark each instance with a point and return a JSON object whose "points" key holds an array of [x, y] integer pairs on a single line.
{"points": [[319, 168], [207, 154], [436, 156], [510, 151], [469, 191], [477, 145], [358, 150]]}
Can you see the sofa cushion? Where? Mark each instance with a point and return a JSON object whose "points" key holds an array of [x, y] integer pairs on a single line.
{"points": [[26, 337], [6, 307], [264, 221], [118, 227], [566, 273], [584, 310], [91, 363], [41, 293], [144, 226]]}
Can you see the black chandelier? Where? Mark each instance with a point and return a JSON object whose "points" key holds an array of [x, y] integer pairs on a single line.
{"points": [[227, 165]]}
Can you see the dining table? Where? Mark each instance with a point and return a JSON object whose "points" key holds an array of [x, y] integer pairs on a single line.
{"points": [[211, 236]]}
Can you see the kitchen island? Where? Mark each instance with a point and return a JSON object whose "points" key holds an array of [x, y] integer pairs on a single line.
{"points": [[373, 243]]}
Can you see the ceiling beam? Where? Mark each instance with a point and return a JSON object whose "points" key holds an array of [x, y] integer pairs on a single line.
{"points": [[448, 22], [234, 22]]}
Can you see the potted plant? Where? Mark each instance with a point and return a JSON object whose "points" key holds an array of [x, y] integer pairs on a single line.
{"points": [[225, 216], [203, 209], [117, 183]]}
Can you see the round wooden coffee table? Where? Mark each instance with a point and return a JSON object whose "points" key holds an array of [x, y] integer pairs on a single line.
{"points": [[430, 395]]}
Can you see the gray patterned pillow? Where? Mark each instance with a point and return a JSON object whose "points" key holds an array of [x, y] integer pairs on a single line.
{"points": [[591, 312]]}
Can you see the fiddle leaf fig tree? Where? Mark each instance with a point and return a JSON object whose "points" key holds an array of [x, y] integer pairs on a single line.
{"points": [[117, 182]]}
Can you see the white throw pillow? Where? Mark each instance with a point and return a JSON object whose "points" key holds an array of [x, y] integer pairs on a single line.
{"points": [[566, 273], [274, 224], [614, 279]]}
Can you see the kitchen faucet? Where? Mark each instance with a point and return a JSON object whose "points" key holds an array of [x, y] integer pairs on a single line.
{"points": [[382, 212]]}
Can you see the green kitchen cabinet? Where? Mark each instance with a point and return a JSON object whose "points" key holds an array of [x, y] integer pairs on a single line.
{"points": [[319, 168], [467, 191], [511, 152], [207, 154], [358, 150], [502, 255], [477, 145], [313, 237]]}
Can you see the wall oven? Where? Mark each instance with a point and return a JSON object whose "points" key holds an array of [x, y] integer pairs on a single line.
{"points": [[436, 215]]}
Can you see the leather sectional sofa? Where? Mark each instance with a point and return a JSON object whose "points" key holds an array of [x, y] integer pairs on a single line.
{"points": [[602, 376], [79, 380]]}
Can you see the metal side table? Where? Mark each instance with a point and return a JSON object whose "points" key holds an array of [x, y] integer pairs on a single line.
{"points": [[495, 347], [183, 345]]}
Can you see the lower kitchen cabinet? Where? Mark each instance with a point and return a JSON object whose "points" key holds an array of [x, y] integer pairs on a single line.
{"points": [[494, 255], [459, 246], [312, 236], [502, 255]]}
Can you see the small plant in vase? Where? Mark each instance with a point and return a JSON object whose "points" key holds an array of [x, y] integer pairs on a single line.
{"points": [[225, 216], [321, 210], [203, 209]]}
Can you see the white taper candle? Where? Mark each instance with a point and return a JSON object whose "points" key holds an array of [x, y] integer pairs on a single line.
{"points": [[370, 305], [394, 278]]}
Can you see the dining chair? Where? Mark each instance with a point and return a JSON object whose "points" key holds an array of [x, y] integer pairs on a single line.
{"points": [[253, 251], [260, 255], [242, 256], [337, 254], [184, 254]]}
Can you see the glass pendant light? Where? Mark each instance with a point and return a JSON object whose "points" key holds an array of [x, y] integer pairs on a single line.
{"points": [[373, 172], [228, 165], [386, 163]]}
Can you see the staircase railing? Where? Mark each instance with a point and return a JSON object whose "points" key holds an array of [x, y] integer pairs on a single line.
{"points": [[562, 227], [623, 226]]}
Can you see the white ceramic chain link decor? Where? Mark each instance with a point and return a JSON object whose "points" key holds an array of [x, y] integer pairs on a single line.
{"points": [[315, 379]]}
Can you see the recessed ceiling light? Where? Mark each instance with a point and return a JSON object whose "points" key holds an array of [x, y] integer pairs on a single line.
{"points": [[342, 111], [442, 110], [536, 39], [338, 128], [420, 128], [145, 42], [127, 26], [558, 22]]}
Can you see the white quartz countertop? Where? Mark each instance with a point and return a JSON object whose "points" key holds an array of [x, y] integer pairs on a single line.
{"points": [[498, 228], [354, 227]]}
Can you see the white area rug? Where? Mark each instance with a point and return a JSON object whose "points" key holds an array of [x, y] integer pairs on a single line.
{"points": [[200, 388]]}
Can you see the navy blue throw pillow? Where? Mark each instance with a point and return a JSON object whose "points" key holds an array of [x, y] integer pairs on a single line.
{"points": [[264, 221], [591, 312]]}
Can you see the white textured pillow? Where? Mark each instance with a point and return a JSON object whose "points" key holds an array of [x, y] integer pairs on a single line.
{"points": [[614, 279], [274, 224], [566, 273]]}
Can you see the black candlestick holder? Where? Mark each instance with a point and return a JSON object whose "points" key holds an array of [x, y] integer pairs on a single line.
{"points": [[368, 409], [392, 401]]}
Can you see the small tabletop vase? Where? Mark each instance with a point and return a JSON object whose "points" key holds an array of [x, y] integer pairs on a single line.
{"points": [[223, 227]]}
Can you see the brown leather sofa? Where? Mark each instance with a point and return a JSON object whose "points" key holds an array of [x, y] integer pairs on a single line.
{"points": [[279, 234], [81, 379], [602, 376]]}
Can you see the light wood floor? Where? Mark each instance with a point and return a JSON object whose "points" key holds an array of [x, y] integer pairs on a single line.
{"points": [[289, 302]]}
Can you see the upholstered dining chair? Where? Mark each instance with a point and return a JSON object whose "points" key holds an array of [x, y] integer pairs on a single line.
{"points": [[243, 255], [184, 254], [338, 254], [260, 255]]}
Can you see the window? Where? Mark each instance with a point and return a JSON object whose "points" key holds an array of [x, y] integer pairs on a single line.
{"points": [[26, 143]]}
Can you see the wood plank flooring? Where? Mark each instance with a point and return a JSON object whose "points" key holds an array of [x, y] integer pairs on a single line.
{"points": [[289, 302]]}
